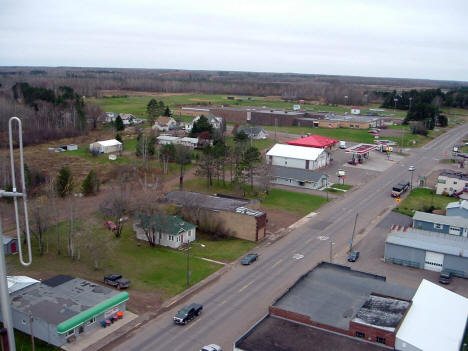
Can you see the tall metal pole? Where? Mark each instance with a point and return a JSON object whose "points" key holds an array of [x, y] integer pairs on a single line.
{"points": [[5, 298], [188, 263], [331, 250], [352, 237]]}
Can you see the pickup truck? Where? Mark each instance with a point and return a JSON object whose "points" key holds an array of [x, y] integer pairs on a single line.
{"points": [[117, 281], [400, 188], [188, 313]]}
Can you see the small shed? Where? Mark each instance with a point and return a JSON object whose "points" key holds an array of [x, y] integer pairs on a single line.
{"points": [[106, 146], [355, 110], [10, 245]]}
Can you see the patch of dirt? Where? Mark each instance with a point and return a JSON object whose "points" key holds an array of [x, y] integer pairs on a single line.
{"points": [[278, 220], [395, 133], [144, 301]]}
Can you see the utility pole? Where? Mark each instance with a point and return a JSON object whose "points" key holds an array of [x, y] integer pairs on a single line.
{"points": [[32, 331], [276, 127], [331, 251], [188, 262], [352, 237]]}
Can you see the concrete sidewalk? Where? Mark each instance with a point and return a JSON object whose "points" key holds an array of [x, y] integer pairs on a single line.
{"points": [[99, 333]]}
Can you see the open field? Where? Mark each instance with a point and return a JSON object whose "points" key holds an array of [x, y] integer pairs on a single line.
{"points": [[159, 271], [137, 104], [422, 200], [260, 144], [277, 199]]}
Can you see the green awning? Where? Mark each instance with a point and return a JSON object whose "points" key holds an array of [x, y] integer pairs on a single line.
{"points": [[84, 316]]}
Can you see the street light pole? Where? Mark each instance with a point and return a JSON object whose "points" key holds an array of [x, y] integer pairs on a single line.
{"points": [[352, 237], [394, 104], [188, 263], [331, 251], [411, 169]]}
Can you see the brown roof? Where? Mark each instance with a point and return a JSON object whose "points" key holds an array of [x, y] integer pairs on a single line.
{"points": [[163, 120]]}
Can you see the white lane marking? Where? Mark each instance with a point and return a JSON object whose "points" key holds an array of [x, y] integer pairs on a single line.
{"points": [[298, 256], [323, 237], [192, 324]]}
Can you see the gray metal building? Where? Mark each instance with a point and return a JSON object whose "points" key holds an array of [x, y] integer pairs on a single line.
{"points": [[458, 208], [63, 307], [300, 178], [427, 250]]}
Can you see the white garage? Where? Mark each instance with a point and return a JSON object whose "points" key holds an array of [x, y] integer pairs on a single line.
{"points": [[297, 157], [106, 146], [434, 261]]}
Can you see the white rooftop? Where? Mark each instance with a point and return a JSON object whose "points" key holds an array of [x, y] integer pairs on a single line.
{"points": [[458, 204], [167, 137], [109, 142], [297, 152], [435, 321], [19, 282]]}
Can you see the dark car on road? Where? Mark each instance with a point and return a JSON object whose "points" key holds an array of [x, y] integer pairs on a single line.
{"points": [[445, 277], [353, 256], [249, 258], [188, 313], [117, 281]]}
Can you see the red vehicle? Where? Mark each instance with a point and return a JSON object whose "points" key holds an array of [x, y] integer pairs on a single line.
{"points": [[110, 225]]}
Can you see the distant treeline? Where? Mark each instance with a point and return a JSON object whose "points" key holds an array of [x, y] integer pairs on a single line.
{"points": [[404, 100], [327, 89]]}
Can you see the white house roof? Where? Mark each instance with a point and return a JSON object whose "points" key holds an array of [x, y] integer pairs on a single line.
{"points": [[297, 152], [110, 142], [458, 204], [436, 319], [167, 137], [189, 140]]}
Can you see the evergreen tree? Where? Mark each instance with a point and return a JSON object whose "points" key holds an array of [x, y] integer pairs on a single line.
{"points": [[200, 126], [64, 182], [119, 124], [90, 185], [118, 137], [152, 111], [167, 112]]}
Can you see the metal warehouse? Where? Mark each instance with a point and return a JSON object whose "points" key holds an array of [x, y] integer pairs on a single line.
{"points": [[427, 250]]}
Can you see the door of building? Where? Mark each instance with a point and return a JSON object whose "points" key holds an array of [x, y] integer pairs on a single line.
{"points": [[434, 261]]}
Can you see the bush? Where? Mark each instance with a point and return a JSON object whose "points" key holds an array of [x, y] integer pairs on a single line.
{"points": [[90, 185], [64, 182]]}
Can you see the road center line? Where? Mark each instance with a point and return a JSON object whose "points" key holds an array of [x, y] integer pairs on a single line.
{"points": [[245, 286], [309, 240], [192, 324], [277, 263]]}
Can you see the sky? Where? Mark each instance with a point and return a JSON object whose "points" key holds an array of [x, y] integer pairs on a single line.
{"points": [[406, 39]]}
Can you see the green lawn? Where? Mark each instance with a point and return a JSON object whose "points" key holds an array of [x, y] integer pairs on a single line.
{"points": [[260, 144], [137, 104], [288, 201], [225, 250], [454, 111], [333, 190], [342, 186], [150, 269], [23, 343], [422, 200]]}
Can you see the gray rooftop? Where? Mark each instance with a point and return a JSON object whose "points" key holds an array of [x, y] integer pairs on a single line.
{"points": [[432, 241], [281, 112], [275, 334], [210, 202], [255, 130], [60, 300], [302, 175], [458, 204], [435, 218], [332, 294], [351, 118]]}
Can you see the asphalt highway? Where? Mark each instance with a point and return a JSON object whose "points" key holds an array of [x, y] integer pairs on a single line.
{"points": [[241, 297]]}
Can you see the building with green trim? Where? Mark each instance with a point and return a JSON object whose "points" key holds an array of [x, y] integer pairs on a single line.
{"points": [[64, 308]]}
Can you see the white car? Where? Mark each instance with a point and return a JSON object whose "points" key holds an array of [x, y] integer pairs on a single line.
{"points": [[211, 347]]}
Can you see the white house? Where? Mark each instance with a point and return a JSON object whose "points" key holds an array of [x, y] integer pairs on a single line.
{"points": [[355, 110], [164, 124], [435, 321], [127, 118], [191, 143], [297, 157], [167, 139], [450, 182], [254, 132], [110, 117], [106, 146], [215, 121], [171, 231]]}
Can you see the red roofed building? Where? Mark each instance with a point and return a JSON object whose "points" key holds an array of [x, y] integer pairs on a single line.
{"points": [[316, 141]]}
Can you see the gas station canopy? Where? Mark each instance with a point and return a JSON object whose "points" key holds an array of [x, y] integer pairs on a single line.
{"points": [[361, 149]]}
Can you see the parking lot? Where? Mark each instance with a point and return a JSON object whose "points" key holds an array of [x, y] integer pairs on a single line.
{"points": [[371, 248]]}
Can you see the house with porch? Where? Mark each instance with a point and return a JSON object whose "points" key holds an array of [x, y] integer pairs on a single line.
{"points": [[164, 124], [450, 182], [170, 231]]}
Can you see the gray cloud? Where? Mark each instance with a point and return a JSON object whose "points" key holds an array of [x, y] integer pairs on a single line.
{"points": [[416, 39]]}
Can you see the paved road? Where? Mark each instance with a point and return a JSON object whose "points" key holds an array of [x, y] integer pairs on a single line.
{"points": [[242, 296]]}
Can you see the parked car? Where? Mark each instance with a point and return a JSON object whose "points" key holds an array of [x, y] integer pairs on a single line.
{"points": [[342, 144], [445, 277], [188, 313], [211, 347], [353, 256], [110, 225], [374, 131], [400, 188], [117, 281], [249, 258]]}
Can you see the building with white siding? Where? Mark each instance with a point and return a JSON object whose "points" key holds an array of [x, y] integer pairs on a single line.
{"points": [[298, 157]]}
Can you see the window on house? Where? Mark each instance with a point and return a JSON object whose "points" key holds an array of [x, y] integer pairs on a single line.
{"points": [[171, 237], [441, 181], [437, 226], [380, 340], [455, 183], [91, 321], [360, 335]]}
